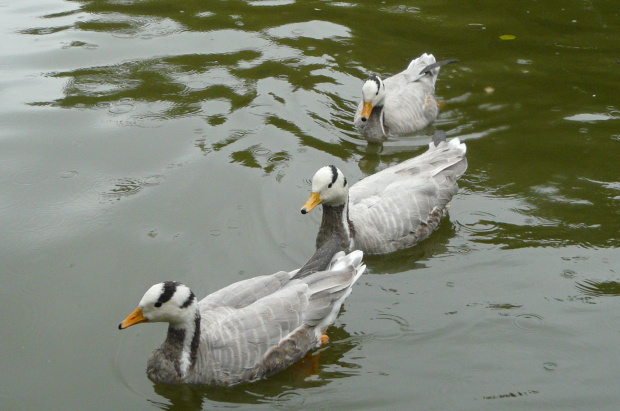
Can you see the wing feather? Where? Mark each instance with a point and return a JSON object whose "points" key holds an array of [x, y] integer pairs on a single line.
{"points": [[259, 334], [390, 207], [246, 292]]}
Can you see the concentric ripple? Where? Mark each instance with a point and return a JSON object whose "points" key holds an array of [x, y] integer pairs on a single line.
{"points": [[528, 322]]}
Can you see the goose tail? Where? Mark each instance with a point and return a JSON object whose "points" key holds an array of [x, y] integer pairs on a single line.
{"points": [[426, 64], [421, 62], [350, 267]]}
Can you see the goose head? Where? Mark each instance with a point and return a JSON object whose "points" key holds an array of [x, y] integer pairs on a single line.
{"points": [[170, 302], [373, 95], [329, 187]]}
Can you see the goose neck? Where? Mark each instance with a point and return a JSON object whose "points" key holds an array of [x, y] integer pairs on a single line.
{"points": [[183, 340], [336, 222]]}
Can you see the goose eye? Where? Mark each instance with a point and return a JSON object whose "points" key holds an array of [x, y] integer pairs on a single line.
{"points": [[157, 304], [330, 185]]}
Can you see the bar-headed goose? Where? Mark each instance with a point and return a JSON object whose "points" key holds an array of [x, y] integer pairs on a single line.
{"points": [[394, 208], [400, 104], [250, 329]]}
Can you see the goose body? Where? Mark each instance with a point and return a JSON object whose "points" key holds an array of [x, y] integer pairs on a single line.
{"points": [[393, 209], [400, 104], [250, 329]]}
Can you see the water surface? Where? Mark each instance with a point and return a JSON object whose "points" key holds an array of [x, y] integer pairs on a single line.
{"points": [[149, 140]]}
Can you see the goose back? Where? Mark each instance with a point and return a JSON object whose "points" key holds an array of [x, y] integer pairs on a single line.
{"points": [[401, 205]]}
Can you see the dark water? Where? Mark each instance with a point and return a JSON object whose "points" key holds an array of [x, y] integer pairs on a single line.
{"points": [[151, 140]]}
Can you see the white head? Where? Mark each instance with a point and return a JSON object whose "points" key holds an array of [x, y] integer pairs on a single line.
{"points": [[329, 186], [373, 95], [170, 302]]}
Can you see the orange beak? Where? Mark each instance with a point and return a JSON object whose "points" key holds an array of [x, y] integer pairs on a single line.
{"points": [[366, 110], [313, 201], [134, 318]]}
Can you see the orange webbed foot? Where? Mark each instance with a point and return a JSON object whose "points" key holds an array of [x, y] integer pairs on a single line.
{"points": [[324, 340]]}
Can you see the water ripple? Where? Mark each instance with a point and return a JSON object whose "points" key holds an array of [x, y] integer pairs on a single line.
{"points": [[597, 288], [568, 274], [121, 108], [550, 366], [69, 174], [481, 227], [146, 27], [290, 399], [401, 9], [150, 120], [396, 321], [527, 322], [125, 187]]}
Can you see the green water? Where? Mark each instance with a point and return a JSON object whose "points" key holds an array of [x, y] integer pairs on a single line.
{"points": [[150, 140]]}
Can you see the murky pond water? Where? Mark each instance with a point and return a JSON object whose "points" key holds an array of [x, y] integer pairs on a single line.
{"points": [[150, 140]]}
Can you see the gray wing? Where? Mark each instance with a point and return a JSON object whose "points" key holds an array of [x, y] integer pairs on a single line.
{"points": [[236, 341], [243, 293], [276, 330], [409, 105], [402, 205], [328, 291], [246, 292]]}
